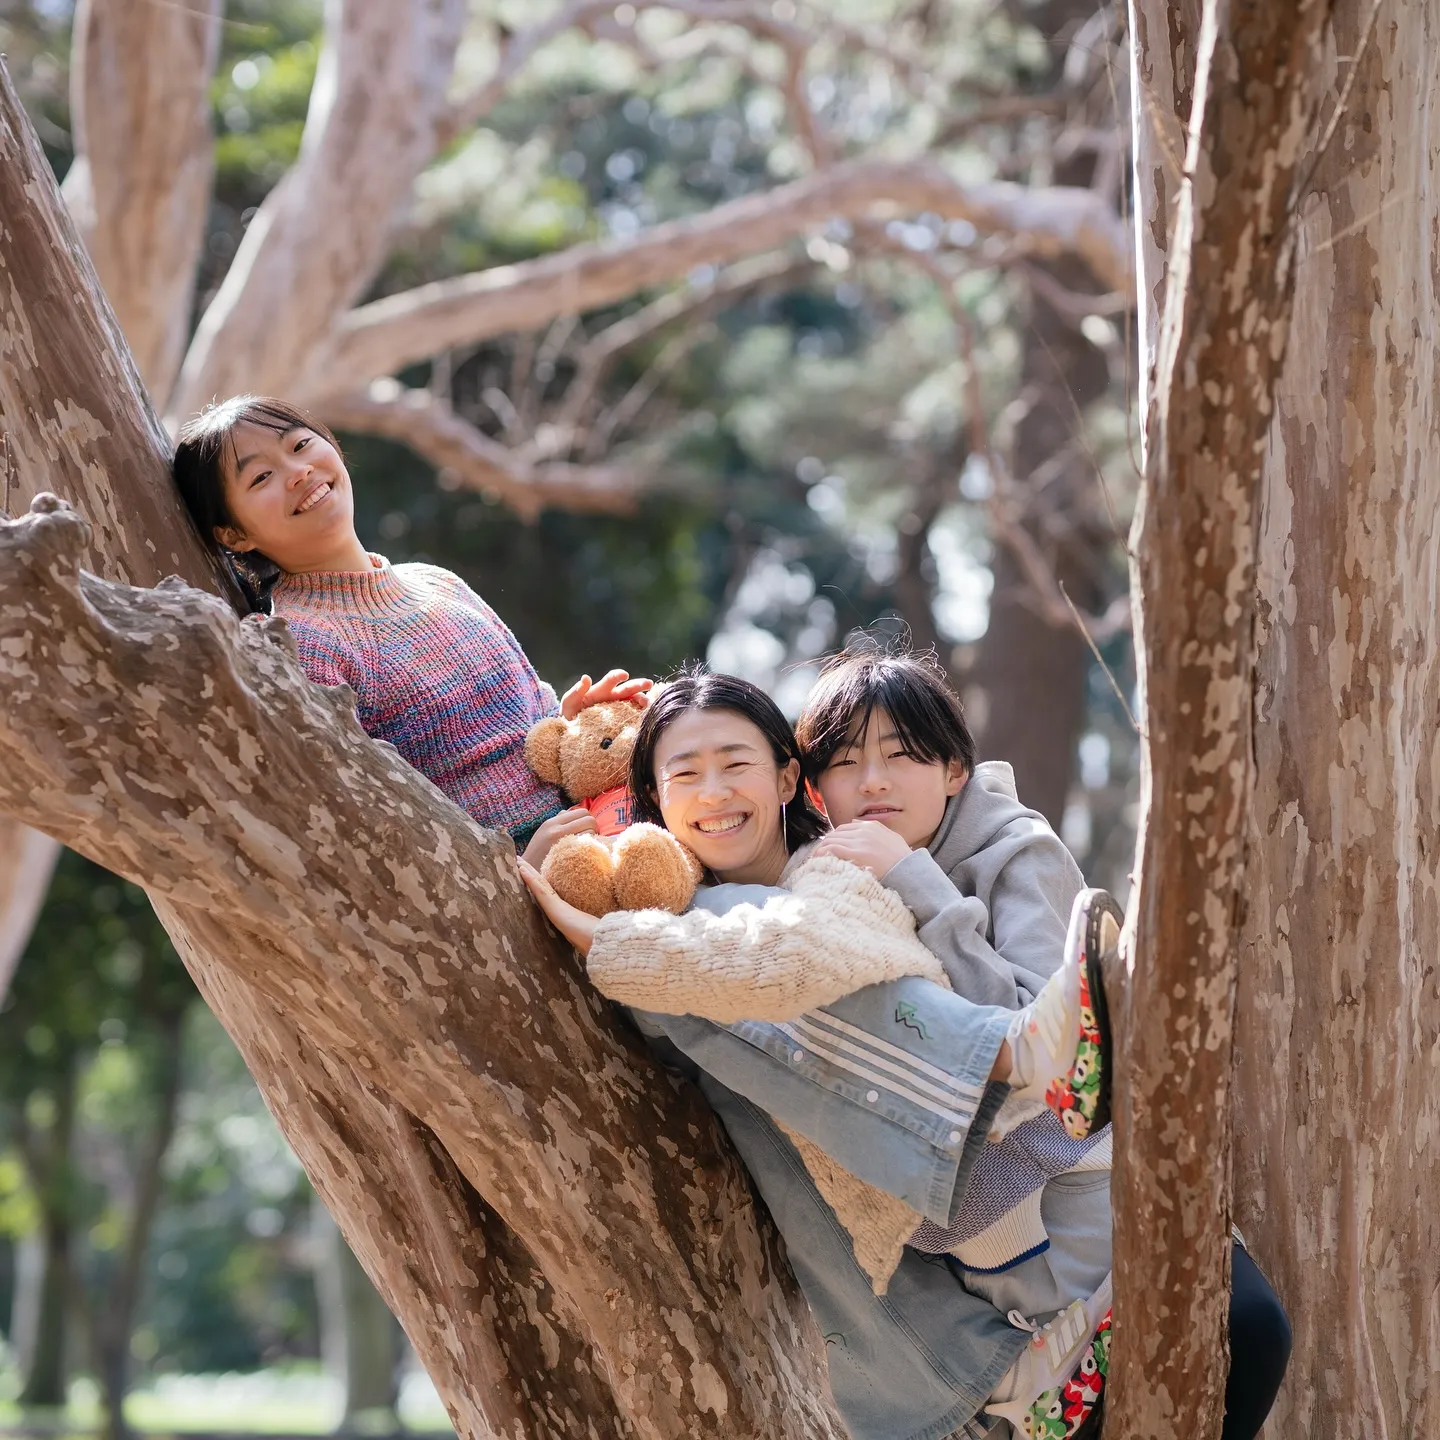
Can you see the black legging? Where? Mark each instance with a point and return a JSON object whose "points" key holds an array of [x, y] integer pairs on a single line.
{"points": [[1259, 1348]]}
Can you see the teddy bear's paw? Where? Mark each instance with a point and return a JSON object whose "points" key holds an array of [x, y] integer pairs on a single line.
{"points": [[582, 870], [654, 871]]}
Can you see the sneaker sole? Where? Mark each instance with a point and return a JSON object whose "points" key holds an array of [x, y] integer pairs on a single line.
{"points": [[1099, 906]]}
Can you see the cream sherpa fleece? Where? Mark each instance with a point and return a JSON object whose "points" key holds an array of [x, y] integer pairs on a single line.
{"points": [[836, 931]]}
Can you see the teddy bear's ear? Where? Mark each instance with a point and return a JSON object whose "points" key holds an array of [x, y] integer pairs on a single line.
{"points": [[542, 748]]}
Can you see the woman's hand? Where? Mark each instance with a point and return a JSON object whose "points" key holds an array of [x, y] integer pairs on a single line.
{"points": [[575, 821], [866, 843], [575, 925], [612, 686]]}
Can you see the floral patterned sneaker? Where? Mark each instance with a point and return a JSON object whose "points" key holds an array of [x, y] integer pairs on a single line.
{"points": [[1061, 1042], [1056, 1388], [1072, 1411]]}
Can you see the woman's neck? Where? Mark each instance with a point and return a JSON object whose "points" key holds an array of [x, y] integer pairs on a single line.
{"points": [[765, 869]]}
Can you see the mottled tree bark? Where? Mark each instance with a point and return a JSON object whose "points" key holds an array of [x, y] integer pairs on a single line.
{"points": [[422, 1040], [1337, 1146], [1222, 338]]}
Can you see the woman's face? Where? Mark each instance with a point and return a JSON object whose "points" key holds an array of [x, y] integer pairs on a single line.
{"points": [[290, 497], [720, 792]]}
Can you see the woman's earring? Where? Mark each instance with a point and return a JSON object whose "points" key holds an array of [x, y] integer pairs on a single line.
{"points": [[783, 831]]}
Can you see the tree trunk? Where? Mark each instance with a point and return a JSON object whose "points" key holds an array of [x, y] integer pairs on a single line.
{"points": [[42, 1320], [113, 1322], [358, 1335], [27, 861], [1227, 303], [1032, 673], [1337, 1163], [421, 1038], [139, 187]]}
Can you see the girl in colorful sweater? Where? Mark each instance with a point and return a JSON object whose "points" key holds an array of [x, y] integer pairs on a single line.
{"points": [[436, 673]]}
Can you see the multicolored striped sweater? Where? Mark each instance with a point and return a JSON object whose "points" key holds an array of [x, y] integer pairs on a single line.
{"points": [[436, 673]]}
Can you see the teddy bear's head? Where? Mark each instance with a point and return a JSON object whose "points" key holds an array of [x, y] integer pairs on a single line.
{"points": [[588, 755]]}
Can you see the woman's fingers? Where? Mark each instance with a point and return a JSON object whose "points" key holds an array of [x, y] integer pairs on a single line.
{"points": [[575, 925]]}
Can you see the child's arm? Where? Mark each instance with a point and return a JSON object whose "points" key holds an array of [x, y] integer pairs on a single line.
{"points": [[837, 931], [1001, 954]]}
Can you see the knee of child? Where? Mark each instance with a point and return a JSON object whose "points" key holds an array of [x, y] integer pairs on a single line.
{"points": [[1260, 1329]]}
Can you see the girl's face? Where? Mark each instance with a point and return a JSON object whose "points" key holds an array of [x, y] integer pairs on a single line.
{"points": [[720, 792], [871, 777], [290, 497]]}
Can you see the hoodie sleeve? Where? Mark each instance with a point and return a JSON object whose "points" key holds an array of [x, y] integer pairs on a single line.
{"points": [[837, 931], [1001, 953]]}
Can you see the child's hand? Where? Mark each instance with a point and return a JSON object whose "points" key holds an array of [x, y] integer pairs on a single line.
{"points": [[576, 821], [866, 843], [612, 686], [575, 925]]}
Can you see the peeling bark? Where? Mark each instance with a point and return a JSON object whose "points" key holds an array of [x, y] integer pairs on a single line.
{"points": [[1223, 336], [75, 416], [1337, 1153]]}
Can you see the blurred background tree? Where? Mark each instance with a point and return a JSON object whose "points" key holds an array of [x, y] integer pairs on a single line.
{"points": [[905, 425]]}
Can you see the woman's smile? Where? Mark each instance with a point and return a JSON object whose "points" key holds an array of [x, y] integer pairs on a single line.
{"points": [[722, 824]]}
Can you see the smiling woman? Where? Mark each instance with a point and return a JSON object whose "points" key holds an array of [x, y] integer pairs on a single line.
{"points": [[717, 764]]}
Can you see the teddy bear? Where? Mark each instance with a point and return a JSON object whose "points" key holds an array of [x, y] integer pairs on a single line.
{"points": [[623, 866]]}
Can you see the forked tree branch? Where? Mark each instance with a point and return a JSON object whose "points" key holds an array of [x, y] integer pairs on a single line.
{"points": [[323, 232], [380, 338], [431, 428]]}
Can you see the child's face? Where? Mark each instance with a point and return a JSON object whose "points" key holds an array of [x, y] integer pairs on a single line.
{"points": [[290, 497], [872, 778]]}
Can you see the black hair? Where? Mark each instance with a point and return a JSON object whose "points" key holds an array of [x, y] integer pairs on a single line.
{"points": [[206, 442], [699, 690], [911, 689]]}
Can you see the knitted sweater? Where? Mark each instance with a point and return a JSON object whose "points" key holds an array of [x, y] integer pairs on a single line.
{"points": [[436, 673], [834, 930]]}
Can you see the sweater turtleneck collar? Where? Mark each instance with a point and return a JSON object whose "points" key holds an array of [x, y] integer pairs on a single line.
{"points": [[378, 591]]}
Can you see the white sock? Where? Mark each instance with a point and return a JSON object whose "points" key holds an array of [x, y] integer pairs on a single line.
{"points": [[1044, 1035]]}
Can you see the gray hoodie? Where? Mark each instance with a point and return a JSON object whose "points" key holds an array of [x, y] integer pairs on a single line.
{"points": [[992, 893]]}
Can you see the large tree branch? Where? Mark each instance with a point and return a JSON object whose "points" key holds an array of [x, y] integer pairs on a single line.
{"points": [[139, 187], [388, 928], [381, 337], [1222, 341], [325, 229], [434, 431], [69, 391]]}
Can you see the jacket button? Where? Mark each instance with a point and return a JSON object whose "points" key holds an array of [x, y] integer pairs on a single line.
{"points": [[797, 1056], [872, 1096], [956, 1137]]}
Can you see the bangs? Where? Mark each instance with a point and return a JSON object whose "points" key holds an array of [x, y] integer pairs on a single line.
{"points": [[923, 711]]}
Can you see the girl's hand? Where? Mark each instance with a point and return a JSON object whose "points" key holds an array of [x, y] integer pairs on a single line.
{"points": [[866, 843], [575, 925], [612, 686], [575, 821]]}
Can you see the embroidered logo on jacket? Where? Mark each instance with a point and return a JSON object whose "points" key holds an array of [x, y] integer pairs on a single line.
{"points": [[905, 1015]]}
